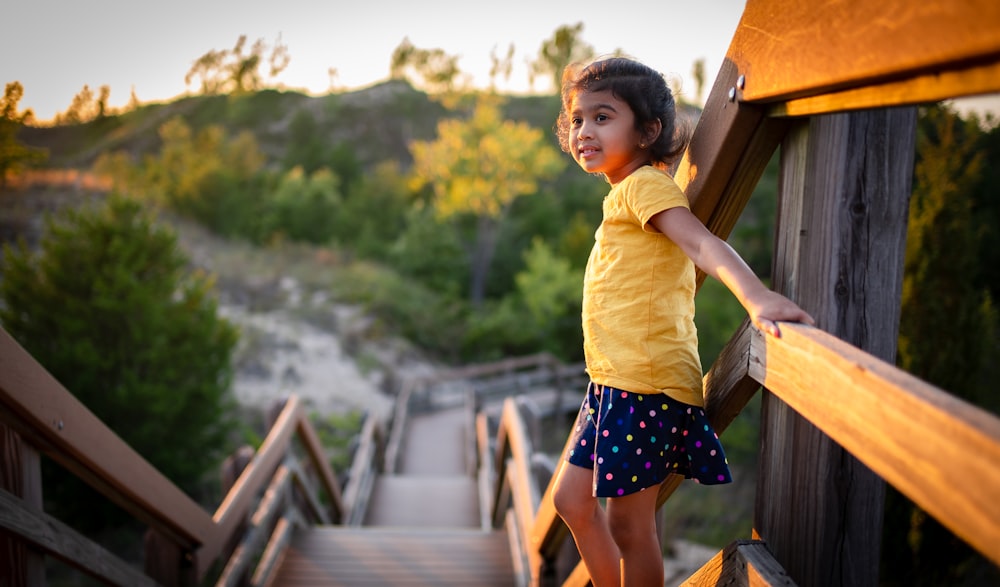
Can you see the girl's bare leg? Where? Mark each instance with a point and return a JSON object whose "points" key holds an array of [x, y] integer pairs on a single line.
{"points": [[582, 512], [632, 524]]}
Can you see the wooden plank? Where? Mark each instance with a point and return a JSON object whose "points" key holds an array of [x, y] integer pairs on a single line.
{"points": [[816, 502], [934, 87], [743, 563], [333, 556], [254, 538], [359, 481], [273, 551], [727, 154], [52, 536], [235, 506], [790, 50], [48, 416], [513, 440], [724, 130], [21, 476], [916, 436], [424, 501], [318, 458]]}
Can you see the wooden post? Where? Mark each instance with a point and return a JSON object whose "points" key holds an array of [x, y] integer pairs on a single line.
{"points": [[844, 198], [21, 476]]}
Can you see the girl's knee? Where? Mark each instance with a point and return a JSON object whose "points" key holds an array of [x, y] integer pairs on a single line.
{"points": [[572, 505], [629, 530]]}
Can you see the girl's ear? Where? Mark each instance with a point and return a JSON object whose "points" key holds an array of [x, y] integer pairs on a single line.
{"points": [[652, 131]]}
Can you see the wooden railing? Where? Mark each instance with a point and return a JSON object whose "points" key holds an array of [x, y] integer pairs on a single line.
{"points": [[815, 79], [275, 491], [831, 388]]}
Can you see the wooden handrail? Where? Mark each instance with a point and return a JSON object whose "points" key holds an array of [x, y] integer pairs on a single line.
{"points": [[364, 466], [888, 418], [52, 420], [515, 483], [789, 51]]}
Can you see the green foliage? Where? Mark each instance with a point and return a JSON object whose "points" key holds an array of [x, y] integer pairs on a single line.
{"points": [[565, 47], [303, 207], [429, 251], [433, 322], [336, 433], [15, 156], [509, 160], [431, 68], [941, 296], [208, 177], [717, 316], [552, 292], [948, 330], [375, 212], [109, 309], [237, 70]]}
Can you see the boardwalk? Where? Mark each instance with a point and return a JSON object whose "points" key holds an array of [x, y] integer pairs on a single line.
{"points": [[422, 528]]}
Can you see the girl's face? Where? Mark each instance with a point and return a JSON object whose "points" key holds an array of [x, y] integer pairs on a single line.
{"points": [[603, 137]]}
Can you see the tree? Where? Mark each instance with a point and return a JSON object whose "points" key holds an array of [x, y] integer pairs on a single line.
{"points": [[86, 107], [478, 167], [565, 47], [948, 332], [110, 309], [236, 72], [15, 156], [432, 69], [698, 73], [305, 205], [207, 176]]}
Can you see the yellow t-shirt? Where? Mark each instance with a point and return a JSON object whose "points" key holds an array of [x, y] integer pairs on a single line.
{"points": [[638, 295]]}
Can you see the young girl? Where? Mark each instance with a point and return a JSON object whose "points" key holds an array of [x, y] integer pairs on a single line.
{"points": [[642, 418]]}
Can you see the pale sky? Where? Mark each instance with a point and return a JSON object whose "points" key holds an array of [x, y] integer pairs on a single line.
{"points": [[55, 47]]}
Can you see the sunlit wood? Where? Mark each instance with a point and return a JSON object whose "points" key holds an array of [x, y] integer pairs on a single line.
{"points": [[888, 419]]}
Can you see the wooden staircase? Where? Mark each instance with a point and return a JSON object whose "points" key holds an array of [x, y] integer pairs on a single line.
{"points": [[424, 524]]}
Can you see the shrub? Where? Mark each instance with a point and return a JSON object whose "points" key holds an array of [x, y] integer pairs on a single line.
{"points": [[108, 307]]}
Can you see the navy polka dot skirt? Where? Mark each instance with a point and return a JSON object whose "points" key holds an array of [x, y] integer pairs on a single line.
{"points": [[633, 441]]}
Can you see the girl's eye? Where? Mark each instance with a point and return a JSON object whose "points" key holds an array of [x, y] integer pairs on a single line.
{"points": [[576, 121], [601, 117]]}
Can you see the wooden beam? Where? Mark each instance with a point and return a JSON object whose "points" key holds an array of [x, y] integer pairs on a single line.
{"points": [[729, 150], [932, 87], [743, 563], [720, 138], [52, 536], [314, 448], [788, 50], [916, 436], [845, 185], [237, 503], [49, 417]]}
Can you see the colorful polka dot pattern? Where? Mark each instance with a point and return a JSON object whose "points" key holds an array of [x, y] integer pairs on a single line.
{"points": [[633, 441]]}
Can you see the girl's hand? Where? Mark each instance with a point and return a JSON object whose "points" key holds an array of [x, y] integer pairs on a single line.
{"points": [[769, 307]]}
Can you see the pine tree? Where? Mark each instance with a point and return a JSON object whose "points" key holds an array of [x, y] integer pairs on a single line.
{"points": [[110, 309]]}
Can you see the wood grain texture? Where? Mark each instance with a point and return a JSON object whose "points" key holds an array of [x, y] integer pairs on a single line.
{"points": [[940, 451], [50, 535], [742, 563], [333, 557], [842, 216], [793, 49], [49, 417]]}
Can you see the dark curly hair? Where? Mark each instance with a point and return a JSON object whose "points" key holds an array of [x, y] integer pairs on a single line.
{"points": [[642, 88]]}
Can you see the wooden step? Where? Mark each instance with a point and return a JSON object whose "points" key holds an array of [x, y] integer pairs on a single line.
{"points": [[436, 444], [338, 556], [424, 502]]}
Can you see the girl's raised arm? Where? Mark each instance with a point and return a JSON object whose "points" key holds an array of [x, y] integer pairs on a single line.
{"points": [[716, 258]]}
